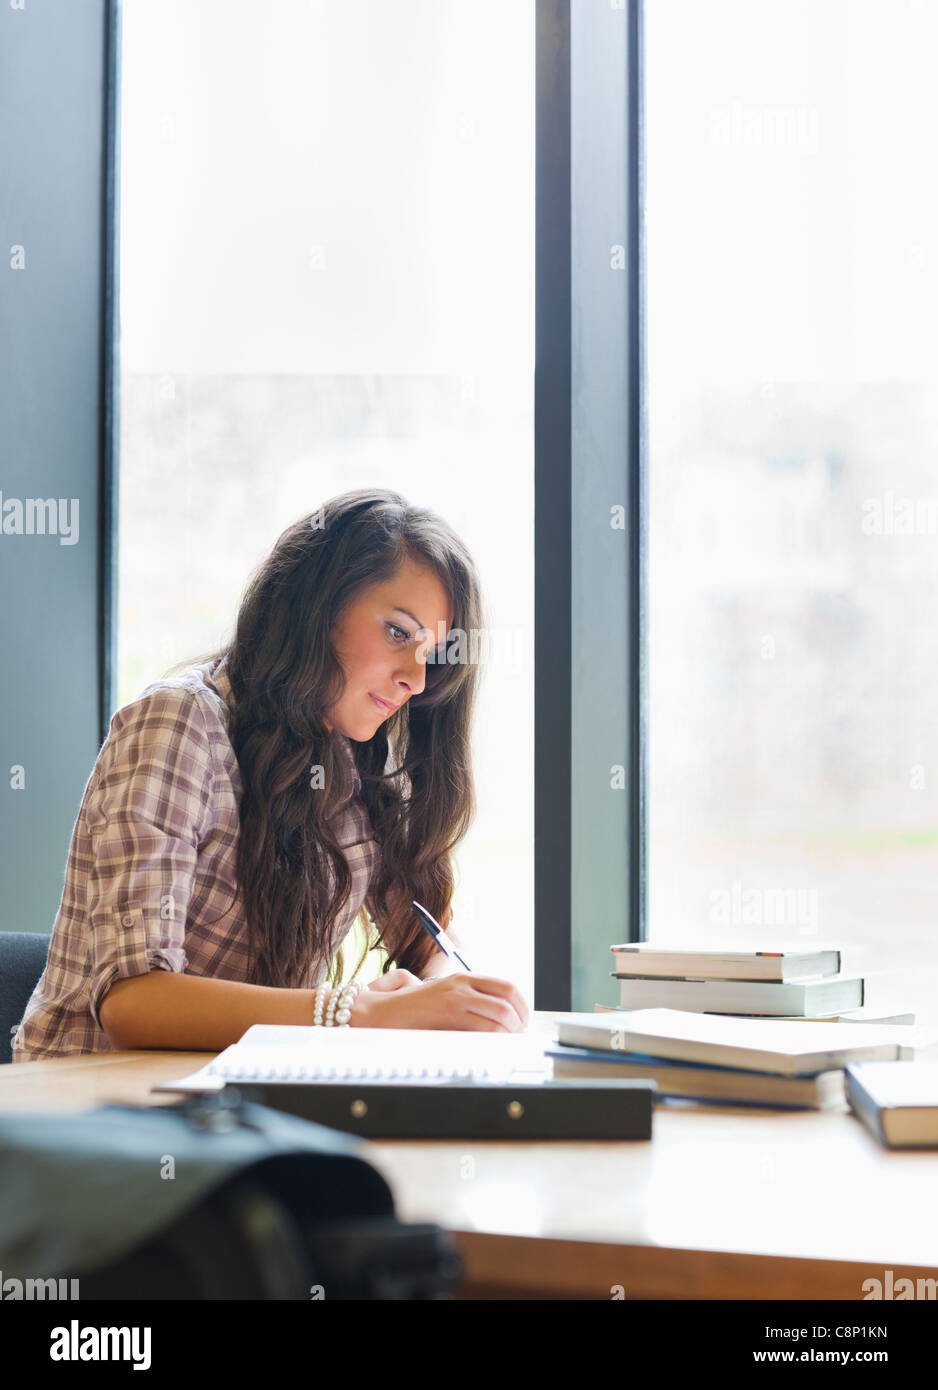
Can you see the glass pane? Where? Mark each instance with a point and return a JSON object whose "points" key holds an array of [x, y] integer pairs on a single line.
{"points": [[327, 281], [792, 295]]}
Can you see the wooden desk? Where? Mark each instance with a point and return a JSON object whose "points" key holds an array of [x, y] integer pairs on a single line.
{"points": [[722, 1203]]}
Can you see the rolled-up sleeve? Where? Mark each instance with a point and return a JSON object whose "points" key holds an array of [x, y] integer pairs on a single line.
{"points": [[146, 815]]}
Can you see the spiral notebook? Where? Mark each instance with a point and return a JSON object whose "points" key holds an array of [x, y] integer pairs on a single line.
{"points": [[286, 1053]]}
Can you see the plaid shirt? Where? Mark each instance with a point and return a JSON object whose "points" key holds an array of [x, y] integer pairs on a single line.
{"points": [[150, 882]]}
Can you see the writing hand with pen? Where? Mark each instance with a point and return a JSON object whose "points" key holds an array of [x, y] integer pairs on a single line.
{"points": [[462, 1000]]}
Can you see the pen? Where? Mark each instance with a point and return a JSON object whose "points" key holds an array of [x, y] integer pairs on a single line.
{"points": [[433, 929]]}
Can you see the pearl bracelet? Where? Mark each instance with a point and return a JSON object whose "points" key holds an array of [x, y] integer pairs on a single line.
{"points": [[338, 1010], [319, 999], [349, 995]]}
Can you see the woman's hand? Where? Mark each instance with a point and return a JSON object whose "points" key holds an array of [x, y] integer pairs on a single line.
{"points": [[394, 979], [477, 1002]]}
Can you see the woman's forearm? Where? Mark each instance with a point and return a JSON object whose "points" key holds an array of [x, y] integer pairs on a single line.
{"points": [[165, 1009]]}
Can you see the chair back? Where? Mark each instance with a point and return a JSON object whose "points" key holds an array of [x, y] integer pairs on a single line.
{"points": [[22, 960]]}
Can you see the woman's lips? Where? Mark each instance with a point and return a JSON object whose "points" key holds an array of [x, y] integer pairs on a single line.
{"points": [[382, 704]]}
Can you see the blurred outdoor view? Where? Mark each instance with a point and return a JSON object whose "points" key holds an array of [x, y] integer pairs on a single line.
{"points": [[327, 230], [792, 293]]}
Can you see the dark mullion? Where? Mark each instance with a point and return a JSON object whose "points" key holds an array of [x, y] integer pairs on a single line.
{"points": [[108, 491], [552, 484]]}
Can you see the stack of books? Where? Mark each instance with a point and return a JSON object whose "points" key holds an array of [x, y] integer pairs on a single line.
{"points": [[759, 984], [747, 1061]]}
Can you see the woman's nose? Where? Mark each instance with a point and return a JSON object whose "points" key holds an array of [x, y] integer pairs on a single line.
{"points": [[415, 676]]}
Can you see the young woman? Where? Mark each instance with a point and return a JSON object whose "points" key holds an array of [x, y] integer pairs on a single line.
{"points": [[242, 814]]}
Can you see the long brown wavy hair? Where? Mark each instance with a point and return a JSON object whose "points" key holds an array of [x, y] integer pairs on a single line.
{"points": [[416, 773]]}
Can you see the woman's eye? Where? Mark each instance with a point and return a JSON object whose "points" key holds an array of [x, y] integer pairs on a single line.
{"points": [[391, 628]]}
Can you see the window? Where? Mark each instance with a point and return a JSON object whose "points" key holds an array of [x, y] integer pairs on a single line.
{"points": [[327, 281], [792, 289]]}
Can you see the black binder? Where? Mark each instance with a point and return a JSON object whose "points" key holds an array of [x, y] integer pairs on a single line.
{"points": [[567, 1109]]}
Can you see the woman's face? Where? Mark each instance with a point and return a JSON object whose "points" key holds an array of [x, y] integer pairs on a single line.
{"points": [[377, 644]]}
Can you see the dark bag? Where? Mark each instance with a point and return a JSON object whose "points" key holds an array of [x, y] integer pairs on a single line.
{"points": [[213, 1198]]}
